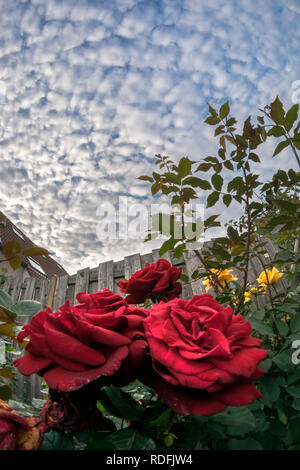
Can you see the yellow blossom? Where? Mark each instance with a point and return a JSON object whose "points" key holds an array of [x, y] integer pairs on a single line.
{"points": [[223, 276], [248, 294], [271, 277]]}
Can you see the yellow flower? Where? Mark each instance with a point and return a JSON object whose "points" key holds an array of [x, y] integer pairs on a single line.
{"points": [[248, 294], [273, 276], [223, 276]]}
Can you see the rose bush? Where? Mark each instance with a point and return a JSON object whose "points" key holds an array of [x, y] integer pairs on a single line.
{"points": [[155, 280], [203, 356], [16, 432], [100, 336]]}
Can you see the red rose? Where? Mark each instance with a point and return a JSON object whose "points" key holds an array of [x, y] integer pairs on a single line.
{"points": [[155, 280], [16, 432], [203, 357], [98, 337]]}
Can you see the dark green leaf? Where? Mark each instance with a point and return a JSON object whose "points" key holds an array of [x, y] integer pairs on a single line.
{"points": [[217, 181], [282, 145], [197, 182], [212, 199], [291, 117], [127, 407], [131, 439], [54, 440], [172, 178], [244, 444], [277, 111], [261, 327], [227, 198]]}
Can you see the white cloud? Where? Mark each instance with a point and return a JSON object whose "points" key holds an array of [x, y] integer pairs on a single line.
{"points": [[95, 89]]}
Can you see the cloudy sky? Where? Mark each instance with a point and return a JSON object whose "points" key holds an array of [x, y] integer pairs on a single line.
{"points": [[91, 90]]}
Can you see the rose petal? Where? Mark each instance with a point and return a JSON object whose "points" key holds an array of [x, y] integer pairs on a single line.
{"points": [[65, 380]]}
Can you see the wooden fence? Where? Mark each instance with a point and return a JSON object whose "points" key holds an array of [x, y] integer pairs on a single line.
{"points": [[55, 292]]}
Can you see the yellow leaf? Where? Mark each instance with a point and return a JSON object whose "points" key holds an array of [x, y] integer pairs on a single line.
{"points": [[7, 373], [35, 251], [15, 262], [11, 248], [6, 329]]}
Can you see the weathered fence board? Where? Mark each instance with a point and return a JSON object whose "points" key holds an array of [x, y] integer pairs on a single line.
{"points": [[54, 293]]}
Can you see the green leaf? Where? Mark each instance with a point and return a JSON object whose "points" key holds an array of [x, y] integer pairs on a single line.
{"points": [[254, 157], [283, 361], [212, 120], [27, 308], [291, 117], [155, 188], [127, 407], [295, 323], [244, 444], [224, 110], [172, 178], [217, 181], [276, 131], [282, 145], [184, 278], [270, 390], [235, 416], [204, 167], [282, 327], [261, 327], [145, 178], [197, 182], [167, 245], [294, 391], [54, 440], [296, 404], [228, 165], [235, 183], [277, 111], [131, 439], [227, 198], [178, 251], [212, 199], [5, 300], [184, 167]]}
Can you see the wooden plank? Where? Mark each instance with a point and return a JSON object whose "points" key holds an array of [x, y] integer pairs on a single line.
{"points": [[146, 258], [51, 292], [60, 292], [132, 264], [43, 293], [16, 288], [192, 263], [81, 282], [106, 275], [29, 290], [7, 284]]}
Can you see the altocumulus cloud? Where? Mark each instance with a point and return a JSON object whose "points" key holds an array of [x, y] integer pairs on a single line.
{"points": [[94, 89]]}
